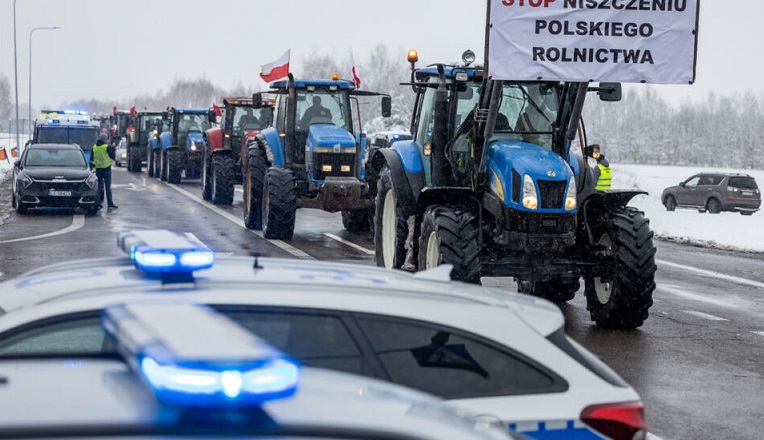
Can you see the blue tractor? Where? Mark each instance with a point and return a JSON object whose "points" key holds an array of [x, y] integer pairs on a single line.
{"points": [[312, 158], [491, 184], [182, 143]]}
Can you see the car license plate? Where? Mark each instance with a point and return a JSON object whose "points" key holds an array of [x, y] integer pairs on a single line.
{"points": [[747, 193], [54, 193]]}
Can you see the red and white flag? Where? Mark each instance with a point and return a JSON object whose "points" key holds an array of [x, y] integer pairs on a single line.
{"points": [[354, 71], [275, 70], [132, 110]]}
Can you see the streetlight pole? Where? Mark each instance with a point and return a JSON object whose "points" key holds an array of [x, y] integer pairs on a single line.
{"points": [[16, 79], [50, 28]]}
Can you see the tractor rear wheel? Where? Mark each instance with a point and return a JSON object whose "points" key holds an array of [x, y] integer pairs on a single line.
{"points": [[279, 204], [174, 166], [252, 183], [450, 236], [163, 165], [390, 227], [621, 300], [558, 290], [222, 179], [150, 162], [206, 177], [133, 160]]}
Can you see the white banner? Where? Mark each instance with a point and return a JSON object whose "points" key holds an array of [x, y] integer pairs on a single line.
{"points": [[637, 41]]}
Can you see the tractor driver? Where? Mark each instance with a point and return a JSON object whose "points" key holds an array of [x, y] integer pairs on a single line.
{"points": [[537, 117], [248, 120], [315, 111]]}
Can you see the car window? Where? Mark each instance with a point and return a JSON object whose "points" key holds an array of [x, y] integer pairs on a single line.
{"points": [[692, 181], [706, 180], [81, 334], [55, 157], [452, 364], [743, 182]]}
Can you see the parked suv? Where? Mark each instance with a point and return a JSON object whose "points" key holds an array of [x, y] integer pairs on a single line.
{"points": [[715, 192]]}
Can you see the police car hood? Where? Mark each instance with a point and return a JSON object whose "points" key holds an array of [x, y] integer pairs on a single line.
{"points": [[50, 173], [328, 135]]}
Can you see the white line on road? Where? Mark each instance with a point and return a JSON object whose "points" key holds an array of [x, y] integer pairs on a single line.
{"points": [[713, 274], [78, 221], [651, 436], [695, 296], [227, 215], [708, 316], [349, 243], [758, 333]]}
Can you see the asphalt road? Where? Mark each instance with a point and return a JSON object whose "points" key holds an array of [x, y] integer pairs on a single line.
{"points": [[697, 362]]}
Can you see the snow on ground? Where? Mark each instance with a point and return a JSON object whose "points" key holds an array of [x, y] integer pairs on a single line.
{"points": [[726, 230]]}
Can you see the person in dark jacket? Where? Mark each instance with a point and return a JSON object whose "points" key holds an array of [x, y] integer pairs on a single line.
{"points": [[103, 155]]}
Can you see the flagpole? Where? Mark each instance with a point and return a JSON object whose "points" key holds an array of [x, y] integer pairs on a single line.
{"points": [[487, 36]]}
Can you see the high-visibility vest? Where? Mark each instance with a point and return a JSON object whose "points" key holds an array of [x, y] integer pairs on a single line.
{"points": [[603, 183], [101, 156]]}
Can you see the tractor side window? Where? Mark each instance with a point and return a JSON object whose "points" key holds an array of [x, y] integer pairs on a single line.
{"points": [[426, 119]]}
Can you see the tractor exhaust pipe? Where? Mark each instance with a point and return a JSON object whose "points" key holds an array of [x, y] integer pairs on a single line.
{"points": [[441, 172]]}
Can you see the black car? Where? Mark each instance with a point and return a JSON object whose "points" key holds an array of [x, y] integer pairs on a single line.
{"points": [[52, 176], [715, 192]]}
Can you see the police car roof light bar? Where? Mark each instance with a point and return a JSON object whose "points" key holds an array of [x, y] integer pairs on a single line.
{"points": [[192, 356], [170, 255]]}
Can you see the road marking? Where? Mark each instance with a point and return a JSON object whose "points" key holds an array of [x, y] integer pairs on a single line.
{"points": [[651, 436], [694, 296], [349, 243], [713, 274], [708, 316], [195, 239], [240, 222], [78, 221], [758, 333]]}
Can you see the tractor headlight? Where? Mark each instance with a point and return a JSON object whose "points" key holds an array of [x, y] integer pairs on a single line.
{"points": [[193, 146], [530, 195], [570, 197]]}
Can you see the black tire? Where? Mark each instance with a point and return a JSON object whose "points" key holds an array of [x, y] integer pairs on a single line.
{"points": [[206, 177], [279, 204], [252, 184], [193, 168], [133, 160], [163, 165], [622, 301], [174, 166], [747, 212], [390, 226], [18, 206], [670, 203], [558, 290], [150, 161], [222, 179], [450, 236], [713, 206], [357, 220], [90, 211]]}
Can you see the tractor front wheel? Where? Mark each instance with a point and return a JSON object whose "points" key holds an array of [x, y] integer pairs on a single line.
{"points": [[163, 165], [206, 177], [252, 183], [174, 166], [222, 179], [279, 204], [621, 299], [450, 236], [358, 220]]}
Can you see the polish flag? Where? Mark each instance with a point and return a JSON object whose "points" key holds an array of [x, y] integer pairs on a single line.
{"points": [[354, 70], [217, 110], [132, 110], [275, 70]]}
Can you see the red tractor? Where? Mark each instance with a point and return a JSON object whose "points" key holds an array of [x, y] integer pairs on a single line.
{"points": [[226, 146]]}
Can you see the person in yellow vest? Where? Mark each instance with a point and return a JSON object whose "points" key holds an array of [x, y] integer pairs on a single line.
{"points": [[103, 155], [603, 172]]}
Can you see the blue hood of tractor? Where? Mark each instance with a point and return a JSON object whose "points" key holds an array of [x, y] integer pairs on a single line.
{"points": [[195, 137], [524, 158], [328, 135]]}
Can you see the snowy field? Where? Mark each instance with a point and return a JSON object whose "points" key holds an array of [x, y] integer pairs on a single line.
{"points": [[726, 230]]}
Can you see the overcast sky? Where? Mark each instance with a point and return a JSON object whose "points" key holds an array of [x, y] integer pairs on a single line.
{"points": [[114, 49]]}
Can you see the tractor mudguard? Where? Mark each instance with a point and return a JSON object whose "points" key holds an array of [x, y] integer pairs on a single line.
{"points": [[407, 185], [274, 150], [166, 140], [597, 203], [215, 139]]}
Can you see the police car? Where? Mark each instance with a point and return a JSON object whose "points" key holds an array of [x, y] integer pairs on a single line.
{"points": [[184, 370], [482, 349]]}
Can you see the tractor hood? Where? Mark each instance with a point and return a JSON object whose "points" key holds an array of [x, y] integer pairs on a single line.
{"points": [[195, 141], [328, 135], [525, 158]]}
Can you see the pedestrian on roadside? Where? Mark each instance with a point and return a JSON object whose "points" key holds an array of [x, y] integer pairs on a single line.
{"points": [[103, 155], [603, 172]]}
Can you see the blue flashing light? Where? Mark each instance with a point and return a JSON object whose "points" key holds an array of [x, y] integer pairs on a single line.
{"points": [[396, 136], [191, 356], [164, 252]]}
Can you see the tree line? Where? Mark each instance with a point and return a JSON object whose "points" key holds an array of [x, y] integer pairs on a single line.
{"points": [[643, 128]]}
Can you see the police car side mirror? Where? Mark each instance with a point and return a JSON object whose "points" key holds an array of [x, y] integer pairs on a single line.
{"points": [[17, 163], [386, 106]]}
